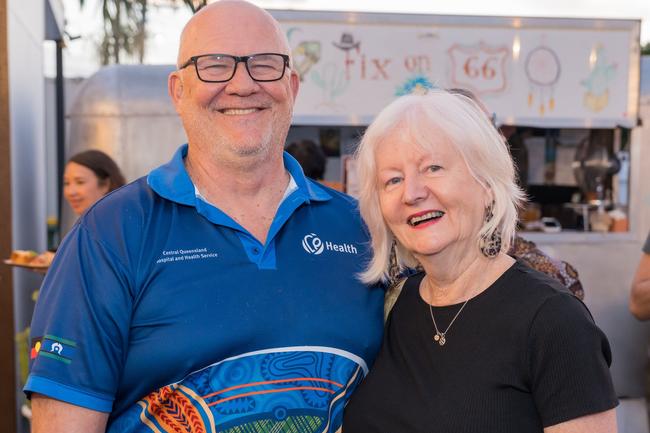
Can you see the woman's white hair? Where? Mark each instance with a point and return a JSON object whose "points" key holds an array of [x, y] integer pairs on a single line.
{"points": [[462, 122]]}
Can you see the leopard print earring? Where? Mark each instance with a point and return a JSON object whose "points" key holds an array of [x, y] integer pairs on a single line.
{"points": [[490, 244]]}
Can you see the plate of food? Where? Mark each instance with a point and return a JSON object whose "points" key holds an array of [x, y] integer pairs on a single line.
{"points": [[30, 259]]}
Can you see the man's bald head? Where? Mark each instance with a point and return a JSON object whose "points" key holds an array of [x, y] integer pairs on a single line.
{"points": [[235, 15], [240, 119]]}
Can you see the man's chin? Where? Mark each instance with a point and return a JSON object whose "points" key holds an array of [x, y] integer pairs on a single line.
{"points": [[249, 151], [249, 148]]}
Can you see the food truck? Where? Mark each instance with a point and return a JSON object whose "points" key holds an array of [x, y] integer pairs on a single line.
{"points": [[565, 92]]}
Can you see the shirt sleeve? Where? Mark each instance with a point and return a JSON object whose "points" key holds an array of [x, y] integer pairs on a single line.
{"points": [[80, 326], [569, 358]]}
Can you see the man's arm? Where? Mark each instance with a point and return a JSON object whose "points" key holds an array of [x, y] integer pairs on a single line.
{"points": [[640, 295], [54, 416], [603, 422]]}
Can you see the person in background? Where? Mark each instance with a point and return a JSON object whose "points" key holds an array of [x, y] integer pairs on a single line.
{"points": [[311, 158], [640, 294], [477, 341], [218, 293], [313, 161], [516, 139], [88, 176]]}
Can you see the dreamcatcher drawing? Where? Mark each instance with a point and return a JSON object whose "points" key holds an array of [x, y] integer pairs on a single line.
{"points": [[543, 70]]}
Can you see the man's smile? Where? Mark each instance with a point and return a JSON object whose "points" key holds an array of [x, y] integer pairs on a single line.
{"points": [[238, 111]]}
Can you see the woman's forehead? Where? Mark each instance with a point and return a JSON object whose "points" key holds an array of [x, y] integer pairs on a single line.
{"points": [[417, 146]]}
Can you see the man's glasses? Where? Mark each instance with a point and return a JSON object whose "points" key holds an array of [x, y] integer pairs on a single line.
{"points": [[219, 68]]}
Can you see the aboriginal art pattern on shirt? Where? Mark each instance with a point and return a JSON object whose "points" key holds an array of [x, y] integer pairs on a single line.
{"points": [[269, 391]]}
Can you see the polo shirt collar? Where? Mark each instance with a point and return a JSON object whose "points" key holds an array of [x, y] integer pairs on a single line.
{"points": [[171, 181]]}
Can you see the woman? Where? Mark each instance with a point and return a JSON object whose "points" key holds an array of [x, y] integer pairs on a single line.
{"points": [[88, 176], [477, 342]]}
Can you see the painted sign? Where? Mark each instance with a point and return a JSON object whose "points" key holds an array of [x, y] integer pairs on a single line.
{"points": [[546, 75]]}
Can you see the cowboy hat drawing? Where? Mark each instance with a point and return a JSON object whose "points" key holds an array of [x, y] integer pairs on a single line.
{"points": [[347, 42]]}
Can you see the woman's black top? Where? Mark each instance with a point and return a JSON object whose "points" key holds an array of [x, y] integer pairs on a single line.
{"points": [[523, 355]]}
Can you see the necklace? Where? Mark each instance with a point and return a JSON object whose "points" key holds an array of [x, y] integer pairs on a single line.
{"points": [[440, 337]]}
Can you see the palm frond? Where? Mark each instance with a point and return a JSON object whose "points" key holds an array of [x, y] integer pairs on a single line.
{"points": [[125, 27]]}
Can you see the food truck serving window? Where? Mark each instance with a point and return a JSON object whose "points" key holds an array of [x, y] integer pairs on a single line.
{"points": [[576, 179]]}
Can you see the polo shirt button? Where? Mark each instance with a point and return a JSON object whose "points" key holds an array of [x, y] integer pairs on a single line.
{"points": [[256, 250]]}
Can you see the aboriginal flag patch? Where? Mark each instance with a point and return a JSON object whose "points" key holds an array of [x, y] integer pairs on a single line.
{"points": [[53, 347]]}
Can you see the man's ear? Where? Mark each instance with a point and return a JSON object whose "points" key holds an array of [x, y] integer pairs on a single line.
{"points": [[294, 82], [175, 87]]}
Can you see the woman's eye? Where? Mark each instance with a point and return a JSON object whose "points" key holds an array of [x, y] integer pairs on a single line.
{"points": [[393, 181], [433, 168]]}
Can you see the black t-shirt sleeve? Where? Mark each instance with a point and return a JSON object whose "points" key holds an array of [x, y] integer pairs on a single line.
{"points": [[568, 359]]}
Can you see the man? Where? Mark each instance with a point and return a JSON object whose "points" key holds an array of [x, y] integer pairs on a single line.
{"points": [[640, 295], [219, 292]]}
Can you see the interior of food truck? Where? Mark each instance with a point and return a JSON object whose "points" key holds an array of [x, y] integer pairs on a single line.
{"points": [[576, 179]]}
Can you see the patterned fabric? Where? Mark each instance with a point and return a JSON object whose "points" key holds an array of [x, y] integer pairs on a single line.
{"points": [[528, 253], [290, 390]]}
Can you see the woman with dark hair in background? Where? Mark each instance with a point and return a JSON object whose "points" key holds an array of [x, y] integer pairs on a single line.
{"points": [[88, 176]]}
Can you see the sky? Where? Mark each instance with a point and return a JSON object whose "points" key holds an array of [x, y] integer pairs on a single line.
{"points": [[165, 23]]}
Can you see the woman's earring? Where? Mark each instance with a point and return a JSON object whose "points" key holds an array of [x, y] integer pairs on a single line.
{"points": [[490, 244], [393, 268]]}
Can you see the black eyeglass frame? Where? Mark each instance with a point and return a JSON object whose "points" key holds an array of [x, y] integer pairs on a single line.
{"points": [[238, 59]]}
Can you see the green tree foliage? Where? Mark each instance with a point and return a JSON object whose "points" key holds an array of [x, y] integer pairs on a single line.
{"points": [[645, 49], [124, 29]]}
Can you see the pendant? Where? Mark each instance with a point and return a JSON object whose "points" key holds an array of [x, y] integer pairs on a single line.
{"points": [[436, 337], [442, 340]]}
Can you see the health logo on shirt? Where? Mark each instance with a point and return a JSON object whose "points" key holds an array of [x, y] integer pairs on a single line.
{"points": [[314, 245]]}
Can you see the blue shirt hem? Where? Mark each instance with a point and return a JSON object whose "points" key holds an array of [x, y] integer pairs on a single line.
{"points": [[65, 393]]}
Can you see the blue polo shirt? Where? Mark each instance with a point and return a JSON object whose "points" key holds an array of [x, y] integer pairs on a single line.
{"points": [[162, 310]]}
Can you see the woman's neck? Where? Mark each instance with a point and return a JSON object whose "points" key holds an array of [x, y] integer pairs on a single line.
{"points": [[448, 283]]}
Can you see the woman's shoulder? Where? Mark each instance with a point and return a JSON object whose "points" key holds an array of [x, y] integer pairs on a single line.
{"points": [[408, 283], [534, 282], [412, 282], [530, 290]]}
